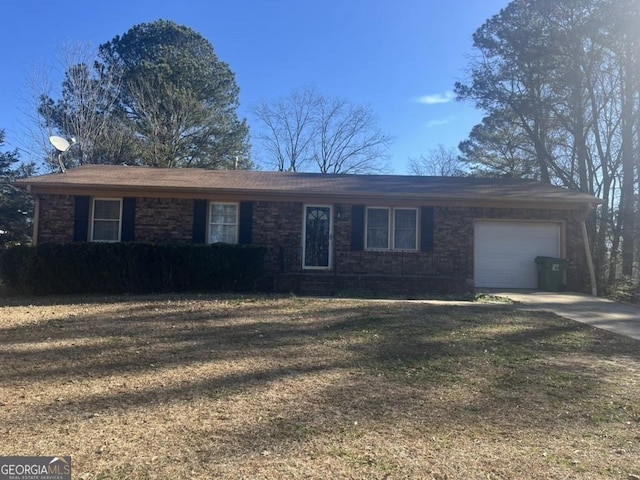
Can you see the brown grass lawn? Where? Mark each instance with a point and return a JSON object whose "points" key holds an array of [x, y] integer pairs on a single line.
{"points": [[213, 387]]}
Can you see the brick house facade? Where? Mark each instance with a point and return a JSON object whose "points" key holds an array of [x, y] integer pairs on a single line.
{"points": [[440, 259]]}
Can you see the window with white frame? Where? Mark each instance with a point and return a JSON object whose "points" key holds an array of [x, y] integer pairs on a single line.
{"points": [[405, 229], [377, 228], [223, 223], [106, 219], [392, 228]]}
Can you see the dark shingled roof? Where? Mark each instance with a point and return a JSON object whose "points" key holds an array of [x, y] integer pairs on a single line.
{"points": [[200, 182]]}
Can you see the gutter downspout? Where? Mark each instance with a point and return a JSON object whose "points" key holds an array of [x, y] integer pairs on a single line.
{"points": [[587, 251], [36, 221]]}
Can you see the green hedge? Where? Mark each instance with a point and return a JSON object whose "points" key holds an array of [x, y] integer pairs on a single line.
{"points": [[130, 268]]}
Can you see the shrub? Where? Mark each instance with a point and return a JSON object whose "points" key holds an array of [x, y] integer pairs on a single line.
{"points": [[625, 289], [130, 268]]}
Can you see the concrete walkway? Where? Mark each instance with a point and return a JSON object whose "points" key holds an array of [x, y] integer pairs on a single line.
{"points": [[598, 312]]}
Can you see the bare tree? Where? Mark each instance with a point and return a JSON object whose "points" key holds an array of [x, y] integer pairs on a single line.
{"points": [[288, 129], [349, 140], [34, 142], [84, 111], [310, 131], [86, 98], [438, 162]]}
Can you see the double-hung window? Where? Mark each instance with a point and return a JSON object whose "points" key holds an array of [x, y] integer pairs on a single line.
{"points": [[405, 229], [392, 228], [223, 223], [378, 228], [106, 220]]}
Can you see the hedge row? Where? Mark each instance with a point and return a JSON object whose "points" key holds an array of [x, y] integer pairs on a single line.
{"points": [[130, 268]]}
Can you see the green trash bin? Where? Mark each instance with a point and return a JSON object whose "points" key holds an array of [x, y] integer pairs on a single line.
{"points": [[551, 274]]}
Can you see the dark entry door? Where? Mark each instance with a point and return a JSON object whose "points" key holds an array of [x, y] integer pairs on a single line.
{"points": [[317, 237]]}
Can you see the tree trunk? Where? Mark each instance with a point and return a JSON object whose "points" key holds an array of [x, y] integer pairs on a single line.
{"points": [[627, 199]]}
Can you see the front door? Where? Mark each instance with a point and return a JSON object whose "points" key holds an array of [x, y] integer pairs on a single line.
{"points": [[317, 237]]}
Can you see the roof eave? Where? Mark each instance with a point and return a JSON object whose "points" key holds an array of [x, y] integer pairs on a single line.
{"points": [[36, 188]]}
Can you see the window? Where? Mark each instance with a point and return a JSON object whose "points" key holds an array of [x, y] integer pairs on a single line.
{"points": [[377, 228], [405, 229], [223, 223], [107, 215], [392, 229]]}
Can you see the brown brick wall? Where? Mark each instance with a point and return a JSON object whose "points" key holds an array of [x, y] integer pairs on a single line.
{"points": [[164, 220], [278, 226], [452, 256], [55, 224], [442, 261], [158, 220]]}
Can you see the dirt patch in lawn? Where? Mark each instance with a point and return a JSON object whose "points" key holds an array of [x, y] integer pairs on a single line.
{"points": [[203, 387]]}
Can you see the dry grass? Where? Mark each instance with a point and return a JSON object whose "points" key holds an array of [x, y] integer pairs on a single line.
{"points": [[204, 387]]}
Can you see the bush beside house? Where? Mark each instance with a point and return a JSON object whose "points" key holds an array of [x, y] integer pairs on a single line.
{"points": [[86, 267]]}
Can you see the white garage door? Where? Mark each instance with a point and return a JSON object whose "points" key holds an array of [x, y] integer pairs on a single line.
{"points": [[505, 252]]}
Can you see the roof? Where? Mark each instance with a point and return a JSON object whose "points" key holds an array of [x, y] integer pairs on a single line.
{"points": [[200, 183]]}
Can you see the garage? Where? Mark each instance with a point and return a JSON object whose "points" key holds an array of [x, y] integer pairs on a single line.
{"points": [[505, 252]]}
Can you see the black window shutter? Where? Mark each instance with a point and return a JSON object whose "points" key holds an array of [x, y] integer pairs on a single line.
{"points": [[426, 229], [245, 230], [199, 221], [128, 219], [357, 228], [81, 218]]}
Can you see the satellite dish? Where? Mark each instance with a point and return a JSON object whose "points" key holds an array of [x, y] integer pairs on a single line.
{"points": [[59, 143]]}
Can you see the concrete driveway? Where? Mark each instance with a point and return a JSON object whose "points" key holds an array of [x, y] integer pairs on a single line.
{"points": [[598, 312]]}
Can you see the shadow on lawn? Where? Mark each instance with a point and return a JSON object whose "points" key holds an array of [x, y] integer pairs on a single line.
{"points": [[138, 337], [440, 366], [439, 376], [16, 300]]}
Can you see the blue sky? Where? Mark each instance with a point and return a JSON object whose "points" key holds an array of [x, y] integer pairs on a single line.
{"points": [[399, 57]]}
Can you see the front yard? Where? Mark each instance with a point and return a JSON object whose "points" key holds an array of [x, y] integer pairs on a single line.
{"points": [[214, 387]]}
